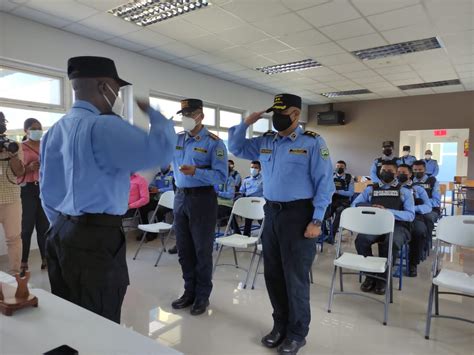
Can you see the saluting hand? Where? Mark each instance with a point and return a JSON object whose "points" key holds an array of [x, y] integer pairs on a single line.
{"points": [[144, 105], [188, 169], [312, 231], [254, 117]]}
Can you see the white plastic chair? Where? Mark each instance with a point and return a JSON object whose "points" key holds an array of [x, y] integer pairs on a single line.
{"points": [[246, 207], [166, 200], [454, 230], [366, 220]]}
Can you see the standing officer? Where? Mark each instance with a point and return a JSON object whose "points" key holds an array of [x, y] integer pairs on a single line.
{"points": [[199, 163], [406, 158], [86, 161], [387, 156], [432, 168], [235, 175], [298, 187]]}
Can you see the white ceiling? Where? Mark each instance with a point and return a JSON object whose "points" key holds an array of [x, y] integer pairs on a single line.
{"points": [[232, 37]]}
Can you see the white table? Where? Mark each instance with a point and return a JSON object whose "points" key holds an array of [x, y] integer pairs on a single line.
{"points": [[57, 322]]}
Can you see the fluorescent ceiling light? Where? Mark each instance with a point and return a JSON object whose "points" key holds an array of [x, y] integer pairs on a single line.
{"points": [[432, 84], [289, 67], [398, 49], [148, 12], [346, 93]]}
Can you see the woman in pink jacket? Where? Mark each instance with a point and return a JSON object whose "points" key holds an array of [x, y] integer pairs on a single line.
{"points": [[139, 195]]}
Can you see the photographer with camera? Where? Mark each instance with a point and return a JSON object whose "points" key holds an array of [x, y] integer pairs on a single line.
{"points": [[11, 168]]}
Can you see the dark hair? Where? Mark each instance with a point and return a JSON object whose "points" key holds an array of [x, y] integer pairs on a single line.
{"points": [[390, 163], [30, 122], [405, 166], [341, 162], [256, 162], [231, 161], [420, 162]]}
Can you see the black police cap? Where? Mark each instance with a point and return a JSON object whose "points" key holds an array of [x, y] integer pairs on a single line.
{"points": [[388, 144], [93, 67], [406, 148], [283, 101], [189, 105]]}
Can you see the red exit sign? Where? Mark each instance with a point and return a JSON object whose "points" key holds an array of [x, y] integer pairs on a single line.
{"points": [[439, 132]]}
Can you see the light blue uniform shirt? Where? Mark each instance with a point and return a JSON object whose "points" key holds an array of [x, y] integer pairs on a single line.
{"points": [[226, 190], [432, 168], [408, 160], [350, 191], [435, 194], [408, 213], [295, 167], [163, 182], [373, 168], [205, 151], [236, 176], [87, 159], [252, 186], [419, 192]]}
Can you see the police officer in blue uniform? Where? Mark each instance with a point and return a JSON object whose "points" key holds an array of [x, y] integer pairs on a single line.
{"points": [[297, 184], [199, 163], [388, 194], [86, 161], [234, 174], [387, 156], [225, 198], [406, 157], [432, 168], [419, 230]]}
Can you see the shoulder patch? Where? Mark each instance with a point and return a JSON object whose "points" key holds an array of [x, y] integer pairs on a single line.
{"points": [[220, 153], [213, 136], [324, 153], [269, 133], [311, 134]]}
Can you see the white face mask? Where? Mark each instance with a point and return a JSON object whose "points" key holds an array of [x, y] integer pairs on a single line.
{"points": [[188, 123], [405, 153], [35, 135], [118, 105], [254, 172], [428, 156]]}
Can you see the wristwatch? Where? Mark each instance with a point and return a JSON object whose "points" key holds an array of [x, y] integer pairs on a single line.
{"points": [[317, 222]]}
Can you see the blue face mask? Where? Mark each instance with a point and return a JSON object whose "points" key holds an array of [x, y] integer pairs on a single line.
{"points": [[35, 135], [254, 172]]}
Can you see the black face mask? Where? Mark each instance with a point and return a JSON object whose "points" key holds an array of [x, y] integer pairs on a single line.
{"points": [[387, 151], [403, 178], [340, 170], [281, 122], [387, 176], [419, 175]]}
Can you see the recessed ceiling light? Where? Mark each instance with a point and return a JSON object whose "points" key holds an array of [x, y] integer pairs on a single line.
{"points": [[432, 84], [289, 67], [398, 49], [346, 93], [148, 12]]}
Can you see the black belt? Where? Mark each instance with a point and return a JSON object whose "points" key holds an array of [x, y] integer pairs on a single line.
{"points": [[195, 190], [106, 220], [291, 204], [34, 183]]}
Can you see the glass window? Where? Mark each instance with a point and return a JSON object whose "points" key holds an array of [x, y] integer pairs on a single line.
{"points": [[228, 119], [224, 135], [16, 117], [262, 125], [167, 107], [24, 86], [209, 116]]}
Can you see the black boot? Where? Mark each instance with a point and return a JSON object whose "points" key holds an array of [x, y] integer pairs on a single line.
{"points": [[290, 347], [273, 339]]}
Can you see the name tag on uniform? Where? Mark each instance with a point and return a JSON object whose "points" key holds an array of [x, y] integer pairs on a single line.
{"points": [[178, 147], [265, 151], [338, 184], [425, 186], [386, 193], [200, 150], [298, 151]]}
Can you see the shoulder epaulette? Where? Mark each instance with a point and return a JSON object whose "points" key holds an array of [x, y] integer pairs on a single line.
{"points": [[311, 133], [213, 136], [269, 133], [183, 132]]}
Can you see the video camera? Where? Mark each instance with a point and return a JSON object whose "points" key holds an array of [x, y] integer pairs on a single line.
{"points": [[5, 143]]}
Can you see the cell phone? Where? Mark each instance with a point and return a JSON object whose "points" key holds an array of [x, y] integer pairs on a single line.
{"points": [[62, 350]]}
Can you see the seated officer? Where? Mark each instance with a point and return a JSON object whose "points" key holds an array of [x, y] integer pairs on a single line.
{"points": [[387, 156], [234, 174], [388, 194], [432, 168], [341, 198], [252, 186], [431, 185], [419, 231], [225, 198], [406, 158]]}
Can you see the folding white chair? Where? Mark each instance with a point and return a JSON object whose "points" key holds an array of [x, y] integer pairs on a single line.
{"points": [[131, 223], [454, 230], [246, 207], [366, 220], [166, 200]]}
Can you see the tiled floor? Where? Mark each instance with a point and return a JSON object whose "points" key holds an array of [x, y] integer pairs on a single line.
{"points": [[237, 318]]}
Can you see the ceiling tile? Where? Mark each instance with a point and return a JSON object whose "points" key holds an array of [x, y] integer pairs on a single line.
{"points": [[448, 88], [369, 80], [363, 42], [304, 39], [329, 13], [248, 74], [267, 46], [302, 4], [209, 43], [361, 74], [123, 43], [283, 24], [466, 74], [155, 53], [464, 67], [207, 59], [328, 79], [409, 33], [322, 50], [243, 35], [255, 10], [414, 15], [147, 38], [64, 9], [370, 7], [7, 6], [394, 69], [235, 52], [379, 86], [437, 75], [462, 59], [102, 5], [87, 32], [451, 16], [39, 16], [109, 23], [348, 68], [228, 67], [320, 72], [178, 29], [401, 76], [422, 91], [344, 85], [336, 59], [386, 62], [185, 63], [347, 29], [255, 62], [287, 56], [213, 19], [179, 50], [407, 81]]}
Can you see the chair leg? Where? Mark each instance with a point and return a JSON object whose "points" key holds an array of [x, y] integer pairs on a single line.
{"points": [[159, 256], [331, 292], [428, 312], [250, 267], [341, 282], [217, 259], [391, 289], [235, 258], [388, 296], [256, 270], [311, 276], [436, 300], [140, 245]]}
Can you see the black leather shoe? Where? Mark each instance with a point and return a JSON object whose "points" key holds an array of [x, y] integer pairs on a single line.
{"points": [[290, 347], [199, 307], [379, 287], [182, 302], [413, 272], [368, 285], [173, 250], [273, 339]]}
